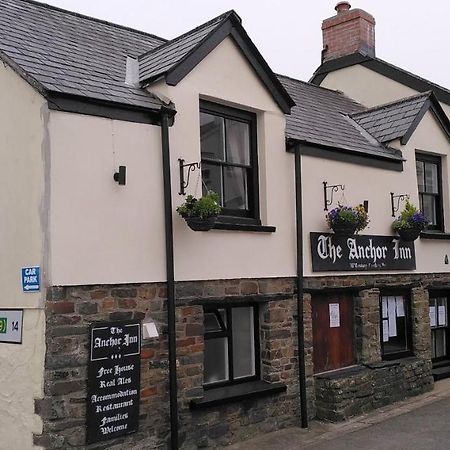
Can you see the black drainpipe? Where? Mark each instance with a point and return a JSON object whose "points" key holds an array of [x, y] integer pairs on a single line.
{"points": [[170, 271], [299, 285]]}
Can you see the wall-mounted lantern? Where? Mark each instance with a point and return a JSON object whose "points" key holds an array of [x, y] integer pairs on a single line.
{"points": [[333, 188], [120, 177], [184, 182], [395, 202]]}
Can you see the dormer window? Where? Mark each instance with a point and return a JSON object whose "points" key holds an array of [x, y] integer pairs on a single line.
{"points": [[229, 158]]}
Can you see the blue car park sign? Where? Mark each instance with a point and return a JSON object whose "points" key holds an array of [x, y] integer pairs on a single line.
{"points": [[31, 279]]}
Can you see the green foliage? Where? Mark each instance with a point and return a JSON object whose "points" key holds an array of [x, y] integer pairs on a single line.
{"points": [[410, 219], [204, 207], [347, 215]]}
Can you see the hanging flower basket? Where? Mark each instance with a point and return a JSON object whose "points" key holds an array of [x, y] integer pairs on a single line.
{"points": [[409, 235], [201, 224], [200, 214], [344, 229], [346, 221], [410, 223]]}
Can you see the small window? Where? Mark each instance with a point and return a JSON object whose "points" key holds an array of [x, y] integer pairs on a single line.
{"points": [[231, 345], [395, 334], [229, 159], [439, 328], [429, 177]]}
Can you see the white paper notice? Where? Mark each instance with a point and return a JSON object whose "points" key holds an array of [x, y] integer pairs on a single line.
{"points": [[385, 331], [433, 316], [384, 307], [392, 317], [400, 307], [442, 319], [335, 319]]}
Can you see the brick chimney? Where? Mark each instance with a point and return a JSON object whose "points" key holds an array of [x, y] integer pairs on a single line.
{"points": [[349, 31]]}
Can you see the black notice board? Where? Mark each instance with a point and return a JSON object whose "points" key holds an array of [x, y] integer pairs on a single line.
{"points": [[360, 253], [113, 380]]}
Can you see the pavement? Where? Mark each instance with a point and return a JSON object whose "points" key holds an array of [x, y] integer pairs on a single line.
{"points": [[419, 423]]}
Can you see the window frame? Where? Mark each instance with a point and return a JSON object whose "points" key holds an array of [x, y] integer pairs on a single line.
{"points": [[408, 326], [437, 160], [252, 214], [433, 295], [228, 333]]}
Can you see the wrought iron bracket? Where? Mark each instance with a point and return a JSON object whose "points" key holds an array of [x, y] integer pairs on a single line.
{"points": [[397, 198], [333, 188], [184, 181]]}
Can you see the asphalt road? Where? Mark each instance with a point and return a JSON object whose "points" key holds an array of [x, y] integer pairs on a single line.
{"points": [[427, 428], [417, 423]]}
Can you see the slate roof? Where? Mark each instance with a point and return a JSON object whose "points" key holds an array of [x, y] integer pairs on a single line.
{"points": [[322, 118], [156, 62], [393, 120], [65, 52]]}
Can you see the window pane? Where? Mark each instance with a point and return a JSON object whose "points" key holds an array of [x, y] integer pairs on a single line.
{"points": [[394, 330], [215, 321], [212, 180], [420, 176], [238, 142], [429, 208], [216, 360], [440, 343], [212, 136], [431, 178], [235, 188], [243, 342]]}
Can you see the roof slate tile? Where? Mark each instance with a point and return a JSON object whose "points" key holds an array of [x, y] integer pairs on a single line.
{"points": [[392, 120], [326, 112], [73, 54]]}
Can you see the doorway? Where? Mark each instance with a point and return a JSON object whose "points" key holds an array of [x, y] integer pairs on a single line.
{"points": [[332, 322]]}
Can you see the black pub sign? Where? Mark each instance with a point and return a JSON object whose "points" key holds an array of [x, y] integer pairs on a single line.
{"points": [[113, 380], [361, 253]]}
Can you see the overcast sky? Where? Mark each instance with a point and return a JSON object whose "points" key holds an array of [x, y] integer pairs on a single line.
{"points": [[412, 34]]}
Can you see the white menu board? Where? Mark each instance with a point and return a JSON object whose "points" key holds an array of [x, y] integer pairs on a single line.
{"points": [[335, 319]]}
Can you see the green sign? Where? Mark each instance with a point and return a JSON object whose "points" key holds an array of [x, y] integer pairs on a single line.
{"points": [[3, 325]]}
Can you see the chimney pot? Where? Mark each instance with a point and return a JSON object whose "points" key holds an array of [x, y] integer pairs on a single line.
{"points": [[342, 6]]}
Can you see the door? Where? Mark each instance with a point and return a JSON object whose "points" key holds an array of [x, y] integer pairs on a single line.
{"points": [[332, 322], [439, 328]]}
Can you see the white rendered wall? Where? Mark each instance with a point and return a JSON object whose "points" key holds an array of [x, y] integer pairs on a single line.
{"points": [[226, 77], [24, 207], [369, 87], [102, 232], [106, 233], [372, 184]]}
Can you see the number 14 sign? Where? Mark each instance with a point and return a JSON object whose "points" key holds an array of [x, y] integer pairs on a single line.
{"points": [[11, 325]]}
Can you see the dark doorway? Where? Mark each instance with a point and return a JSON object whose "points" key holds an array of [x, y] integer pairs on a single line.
{"points": [[332, 322]]}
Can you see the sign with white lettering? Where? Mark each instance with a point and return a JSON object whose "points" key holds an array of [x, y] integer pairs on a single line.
{"points": [[361, 253], [113, 380], [31, 279], [11, 321]]}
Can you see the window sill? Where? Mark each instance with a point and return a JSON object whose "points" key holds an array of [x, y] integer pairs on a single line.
{"points": [[434, 235], [236, 392], [244, 227]]}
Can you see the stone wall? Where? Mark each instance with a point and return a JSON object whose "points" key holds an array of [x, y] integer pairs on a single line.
{"points": [[70, 311], [354, 391]]}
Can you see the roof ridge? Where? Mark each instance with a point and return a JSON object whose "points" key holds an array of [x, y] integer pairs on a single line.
{"points": [[94, 19], [394, 102], [432, 83], [222, 17]]}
